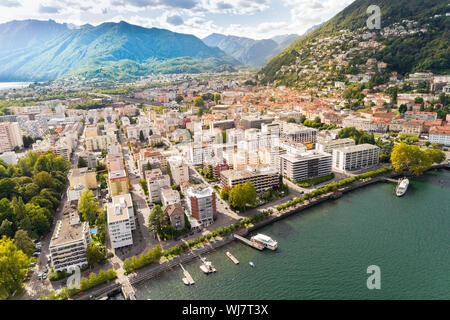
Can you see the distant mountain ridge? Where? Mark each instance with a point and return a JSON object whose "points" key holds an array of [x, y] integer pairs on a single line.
{"points": [[254, 53], [46, 50]]}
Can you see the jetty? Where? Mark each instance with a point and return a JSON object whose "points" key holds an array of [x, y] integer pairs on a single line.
{"points": [[391, 180], [229, 255], [250, 243], [187, 277]]}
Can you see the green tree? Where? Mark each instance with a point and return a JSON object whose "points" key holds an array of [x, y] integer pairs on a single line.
{"points": [[157, 221], [13, 268], [141, 136], [6, 229], [250, 192], [411, 158], [88, 207], [24, 242], [82, 163], [95, 254], [403, 108], [198, 102], [217, 98], [179, 99]]}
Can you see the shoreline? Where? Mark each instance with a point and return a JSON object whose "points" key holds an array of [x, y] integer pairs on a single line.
{"points": [[152, 271]]}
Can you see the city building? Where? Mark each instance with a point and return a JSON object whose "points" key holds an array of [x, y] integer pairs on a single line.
{"points": [[96, 143], [69, 243], [179, 170], [156, 181], [169, 196], [306, 165], [10, 136], [201, 204], [176, 215], [120, 219], [440, 135], [83, 176], [330, 145], [355, 157], [262, 177]]}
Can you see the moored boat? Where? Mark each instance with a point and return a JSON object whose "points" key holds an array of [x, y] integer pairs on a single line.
{"points": [[266, 241], [402, 187]]}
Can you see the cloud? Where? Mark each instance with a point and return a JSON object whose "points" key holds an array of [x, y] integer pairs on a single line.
{"points": [[9, 3], [175, 20], [48, 9]]}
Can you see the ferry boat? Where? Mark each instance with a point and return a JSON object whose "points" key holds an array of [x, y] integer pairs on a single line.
{"points": [[266, 241], [402, 187], [207, 266]]}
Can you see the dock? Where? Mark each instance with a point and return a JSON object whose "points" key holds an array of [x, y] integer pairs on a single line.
{"points": [[229, 255], [189, 280], [250, 243], [391, 180]]}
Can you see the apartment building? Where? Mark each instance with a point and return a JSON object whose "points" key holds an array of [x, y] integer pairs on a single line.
{"points": [[118, 182], [10, 136], [176, 215], [440, 135], [355, 157], [83, 176], [179, 170], [96, 143], [121, 222], [299, 134], [307, 165], [156, 181], [262, 177], [69, 242], [169, 196], [330, 145], [201, 204]]}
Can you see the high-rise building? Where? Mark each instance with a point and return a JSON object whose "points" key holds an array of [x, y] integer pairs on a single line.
{"points": [[10, 136], [355, 157], [120, 219], [306, 165], [201, 203]]}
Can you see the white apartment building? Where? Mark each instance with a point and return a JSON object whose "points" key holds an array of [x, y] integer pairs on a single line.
{"points": [[305, 165], [201, 204], [440, 135], [198, 152], [355, 157], [156, 181], [329, 146], [169, 196], [10, 136], [100, 142], [69, 243], [120, 219], [179, 170]]}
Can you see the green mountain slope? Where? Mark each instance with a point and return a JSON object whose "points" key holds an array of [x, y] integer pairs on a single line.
{"points": [[422, 51], [114, 50]]}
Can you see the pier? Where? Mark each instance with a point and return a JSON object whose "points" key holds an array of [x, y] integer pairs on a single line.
{"points": [[248, 242], [189, 280], [391, 180], [229, 255]]}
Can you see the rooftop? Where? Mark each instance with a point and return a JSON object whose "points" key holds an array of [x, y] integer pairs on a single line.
{"points": [[69, 229]]}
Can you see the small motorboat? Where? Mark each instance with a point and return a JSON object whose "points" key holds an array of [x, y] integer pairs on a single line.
{"points": [[251, 264]]}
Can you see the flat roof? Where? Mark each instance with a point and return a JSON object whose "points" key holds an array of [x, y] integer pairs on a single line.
{"points": [[65, 232], [359, 147], [118, 209]]}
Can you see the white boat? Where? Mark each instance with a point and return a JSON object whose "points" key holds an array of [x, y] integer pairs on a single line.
{"points": [[186, 282], [402, 187], [266, 241], [251, 263], [207, 266]]}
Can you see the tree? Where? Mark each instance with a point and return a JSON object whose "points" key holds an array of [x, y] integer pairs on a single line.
{"points": [[88, 207], [217, 98], [250, 192], [82, 163], [6, 229], [403, 108], [436, 155], [207, 96], [411, 158], [198, 102], [24, 242], [13, 268], [242, 194], [27, 141], [94, 254], [157, 221], [178, 99], [141, 136]]}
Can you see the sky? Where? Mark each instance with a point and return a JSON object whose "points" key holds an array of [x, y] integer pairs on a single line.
{"points": [[257, 19]]}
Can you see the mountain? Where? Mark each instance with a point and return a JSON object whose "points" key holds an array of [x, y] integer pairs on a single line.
{"points": [[117, 50], [285, 38], [254, 53], [28, 33], [419, 42]]}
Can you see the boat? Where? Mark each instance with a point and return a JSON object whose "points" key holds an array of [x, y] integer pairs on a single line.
{"points": [[103, 298], [402, 186], [251, 263], [186, 282], [229, 255], [207, 266], [266, 241]]}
